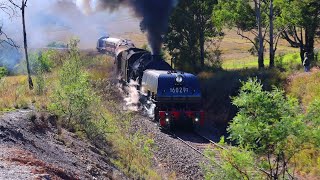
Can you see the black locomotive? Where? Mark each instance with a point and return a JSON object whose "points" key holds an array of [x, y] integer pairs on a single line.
{"points": [[173, 96]]}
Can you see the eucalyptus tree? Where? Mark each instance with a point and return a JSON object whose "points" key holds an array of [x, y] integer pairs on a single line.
{"points": [[248, 17], [190, 27], [302, 18], [270, 130]]}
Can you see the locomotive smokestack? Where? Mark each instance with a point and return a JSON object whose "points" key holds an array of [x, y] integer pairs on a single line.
{"points": [[154, 13]]}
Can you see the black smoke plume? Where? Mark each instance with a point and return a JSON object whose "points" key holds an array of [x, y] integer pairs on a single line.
{"points": [[154, 14]]}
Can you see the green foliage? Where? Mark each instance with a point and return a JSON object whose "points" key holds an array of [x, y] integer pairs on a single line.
{"points": [[136, 155], [217, 88], [233, 163], [189, 28], [298, 13], [41, 61], [273, 128], [56, 44], [313, 120], [74, 98], [3, 72], [289, 62], [265, 119], [238, 13], [301, 21], [39, 67], [308, 160]]}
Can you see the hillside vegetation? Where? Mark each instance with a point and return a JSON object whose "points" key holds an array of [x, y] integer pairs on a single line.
{"points": [[77, 86]]}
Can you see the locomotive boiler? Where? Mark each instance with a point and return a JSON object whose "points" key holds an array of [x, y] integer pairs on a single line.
{"points": [[173, 96]]}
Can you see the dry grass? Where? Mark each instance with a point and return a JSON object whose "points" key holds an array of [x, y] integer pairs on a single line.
{"points": [[305, 86], [15, 93], [235, 52], [102, 67]]}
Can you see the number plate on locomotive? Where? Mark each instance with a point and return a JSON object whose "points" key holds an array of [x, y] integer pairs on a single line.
{"points": [[179, 90]]}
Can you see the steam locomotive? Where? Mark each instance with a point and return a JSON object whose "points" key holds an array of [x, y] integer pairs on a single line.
{"points": [[173, 96]]}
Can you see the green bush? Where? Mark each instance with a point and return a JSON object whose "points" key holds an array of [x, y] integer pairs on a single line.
{"points": [[74, 98], [3, 72], [57, 44], [234, 163], [41, 61], [273, 127]]}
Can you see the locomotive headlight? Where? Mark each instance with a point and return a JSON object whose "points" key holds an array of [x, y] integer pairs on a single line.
{"points": [[196, 119], [179, 79], [167, 119]]}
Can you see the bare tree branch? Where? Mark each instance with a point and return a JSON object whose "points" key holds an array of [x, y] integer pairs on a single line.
{"points": [[13, 3], [296, 35], [7, 9], [254, 32], [286, 36], [246, 37], [4, 38], [7, 39]]}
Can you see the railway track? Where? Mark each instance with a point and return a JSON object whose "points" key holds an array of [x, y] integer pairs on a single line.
{"points": [[198, 142]]}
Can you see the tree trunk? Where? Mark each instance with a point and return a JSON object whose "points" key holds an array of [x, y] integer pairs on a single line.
{"points": [[301, 45], [26, 45], [261, 48], [309, 47], [272, 52]]}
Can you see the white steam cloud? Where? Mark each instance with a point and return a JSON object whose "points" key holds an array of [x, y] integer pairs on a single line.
{"points": [[59, 20], [50, 21], [131, 96]]}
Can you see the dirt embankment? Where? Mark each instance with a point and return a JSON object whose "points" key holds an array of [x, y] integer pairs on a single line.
{"points": [[33, 147]]}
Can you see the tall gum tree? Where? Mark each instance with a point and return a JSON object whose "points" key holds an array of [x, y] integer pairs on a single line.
{"points": [[302, 18], [275, 28], [248, 17], [190, 27]]}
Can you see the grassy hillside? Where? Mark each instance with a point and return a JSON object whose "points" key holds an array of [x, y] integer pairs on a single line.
{"points": [[78, 87]]}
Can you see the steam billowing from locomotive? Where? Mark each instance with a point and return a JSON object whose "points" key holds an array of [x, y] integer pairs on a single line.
{"points": [[154, 13]]}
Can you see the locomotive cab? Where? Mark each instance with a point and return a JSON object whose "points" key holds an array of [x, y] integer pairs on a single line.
{"points": [[176, 96]]}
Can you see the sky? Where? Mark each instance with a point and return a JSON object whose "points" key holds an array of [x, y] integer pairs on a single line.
{"points": [[59, 20]]}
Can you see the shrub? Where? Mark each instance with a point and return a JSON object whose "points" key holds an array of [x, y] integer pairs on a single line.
{"points": [[279, 61], [272, 126], [74, 98], [234, 163], [135, 152], [58, 44], [3, 72]]}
